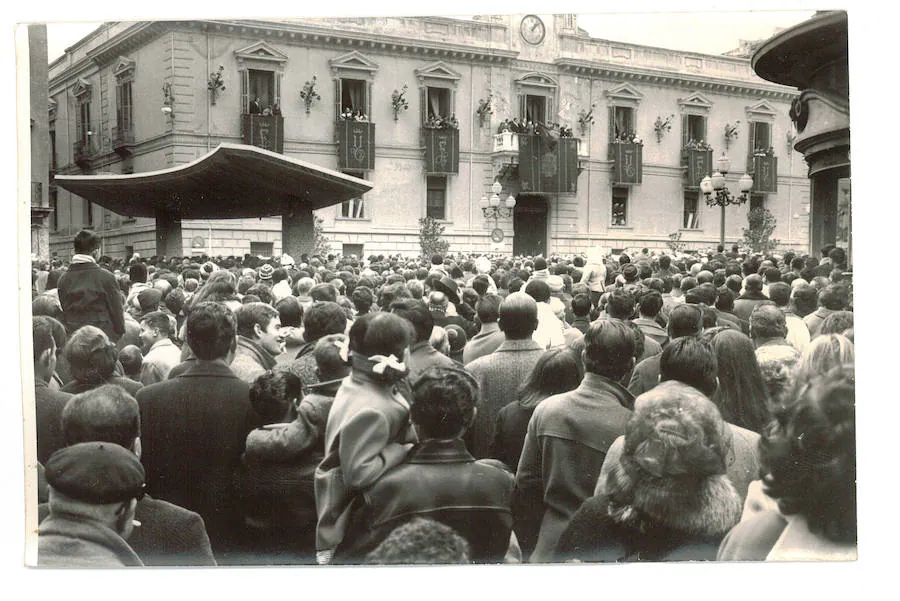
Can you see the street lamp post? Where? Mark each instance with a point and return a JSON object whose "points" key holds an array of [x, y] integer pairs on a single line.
{"points": [[717, 193], [491, 207]]}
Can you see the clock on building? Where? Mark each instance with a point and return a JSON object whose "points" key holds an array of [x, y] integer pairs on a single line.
{"points": [[533, 29]]}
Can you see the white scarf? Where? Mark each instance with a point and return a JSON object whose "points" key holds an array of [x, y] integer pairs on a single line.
{"points": [[797, 543], [82, 259]]}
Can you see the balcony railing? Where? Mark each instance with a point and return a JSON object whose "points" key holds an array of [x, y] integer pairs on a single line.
{"points": [[356, 145], [122, 140], [627, 158], [441, 150], [82, 153], [265, 131]]}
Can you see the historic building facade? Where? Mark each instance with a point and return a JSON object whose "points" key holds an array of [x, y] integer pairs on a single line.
{"points": [[416, 106]]}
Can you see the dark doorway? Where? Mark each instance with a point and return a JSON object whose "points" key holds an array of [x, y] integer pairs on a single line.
{"points": [[824, 207], [530, 225]]}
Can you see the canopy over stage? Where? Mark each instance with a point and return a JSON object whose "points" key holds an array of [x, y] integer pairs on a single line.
{"points": [[231, 182]]}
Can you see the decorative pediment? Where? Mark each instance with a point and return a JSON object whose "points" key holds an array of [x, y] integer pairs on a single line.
{"points": [[124, 68], [695, 103], [260, 55], [623, 94], [536, 79], [51, 109], [82, 88], [353, 65], [761, 111], [439, 74]]}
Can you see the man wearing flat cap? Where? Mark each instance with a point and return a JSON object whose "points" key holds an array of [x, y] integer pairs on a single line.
{"points": [[94, 487]]}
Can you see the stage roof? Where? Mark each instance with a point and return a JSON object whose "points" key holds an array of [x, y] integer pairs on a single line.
{"points": [[232, 181]]}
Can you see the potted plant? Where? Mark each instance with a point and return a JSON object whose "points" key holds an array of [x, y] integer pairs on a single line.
{"points": [[484, 109], [216, 84], [399, 101], [586, 119], [731, 133], [309, 94], [661, 126]]}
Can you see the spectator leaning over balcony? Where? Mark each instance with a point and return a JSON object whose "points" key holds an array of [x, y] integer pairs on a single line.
{"points": [[88, 294]]}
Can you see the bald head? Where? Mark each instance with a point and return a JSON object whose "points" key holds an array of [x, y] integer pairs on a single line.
{"points": [[518, 316], [767, 322]]}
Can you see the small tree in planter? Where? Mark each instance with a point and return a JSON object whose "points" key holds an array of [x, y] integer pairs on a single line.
{"points": [[322, 243], [761, 226], [431, 237]]}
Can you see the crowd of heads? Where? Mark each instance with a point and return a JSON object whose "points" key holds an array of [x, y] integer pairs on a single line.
{"points": [[725, 324]]}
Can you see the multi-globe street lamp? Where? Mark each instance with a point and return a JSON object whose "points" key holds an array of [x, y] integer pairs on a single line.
{"points": [[717, 193]]}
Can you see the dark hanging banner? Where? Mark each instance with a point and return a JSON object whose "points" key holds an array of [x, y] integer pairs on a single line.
{"points": [[765, 174], [548, 164], [265, 131], [441, 151], [627, 162], [356, 145], [699, 165]]}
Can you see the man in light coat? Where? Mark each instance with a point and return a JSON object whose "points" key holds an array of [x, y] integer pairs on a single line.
{"points": [[501, 373]]}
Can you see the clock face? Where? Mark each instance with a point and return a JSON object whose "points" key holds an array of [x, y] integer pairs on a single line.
{"points": [[533, 29]]}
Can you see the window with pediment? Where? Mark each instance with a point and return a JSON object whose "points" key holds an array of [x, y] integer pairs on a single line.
{"points": [[82, 93], [623, 101], [536, 93], [695, 111], [760, 118], [124, 74], [437, 92], [353, 74], [260, 71]]}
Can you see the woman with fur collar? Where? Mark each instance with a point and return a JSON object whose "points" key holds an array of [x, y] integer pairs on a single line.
{"points": [[668, 498]]}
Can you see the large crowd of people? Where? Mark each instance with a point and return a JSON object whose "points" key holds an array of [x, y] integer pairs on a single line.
{"points": [[200, 411]]}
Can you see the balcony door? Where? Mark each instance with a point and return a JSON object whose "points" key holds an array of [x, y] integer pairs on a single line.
{"points": [[535, 109], [530, 225]]}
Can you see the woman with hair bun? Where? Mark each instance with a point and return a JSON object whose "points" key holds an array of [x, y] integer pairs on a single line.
{"points": [[368, 430], [809, 457]]}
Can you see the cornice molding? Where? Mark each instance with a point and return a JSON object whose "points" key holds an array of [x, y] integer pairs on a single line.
{"points": [[669, 78]]}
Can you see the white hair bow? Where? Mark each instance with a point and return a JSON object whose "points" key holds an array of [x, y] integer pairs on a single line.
{"points": [[384, 362], [343, 347]]}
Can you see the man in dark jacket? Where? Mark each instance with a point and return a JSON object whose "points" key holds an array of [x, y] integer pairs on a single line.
{"points": [[568, 437], [88, 294], [439, 479], [751, 297], [195, 426], [685, 320], [168, 535]]}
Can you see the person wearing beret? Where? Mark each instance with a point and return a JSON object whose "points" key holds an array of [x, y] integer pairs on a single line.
{"points": [[169, 535], [668, 498], [94, 487]]}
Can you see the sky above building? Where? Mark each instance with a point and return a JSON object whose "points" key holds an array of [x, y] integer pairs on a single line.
{"points": [[695, 31]]}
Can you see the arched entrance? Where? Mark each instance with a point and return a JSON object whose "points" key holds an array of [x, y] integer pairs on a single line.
{"points": [[530, 225]]}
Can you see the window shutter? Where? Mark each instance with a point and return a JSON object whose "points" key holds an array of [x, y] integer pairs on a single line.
{"points": [[751, 143], [703, 129], [277, 101], [367, 101], [550, 117], [337, 99], [129, 107], [522, 114], [452, 103], [245, 91], [423, 104], [612, 123], [685, 131], [120, 116]]}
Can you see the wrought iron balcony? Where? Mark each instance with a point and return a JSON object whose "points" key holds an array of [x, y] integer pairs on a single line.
{"points": [[122, 140], [82, 153], [356, 144]]}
